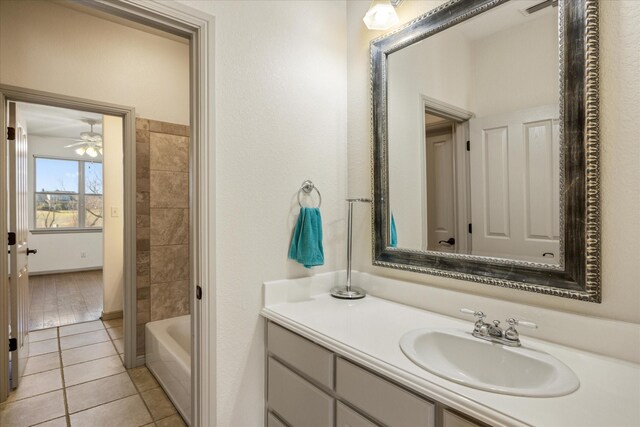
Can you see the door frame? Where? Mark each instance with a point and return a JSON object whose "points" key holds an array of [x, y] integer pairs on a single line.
{"points": [[198, 27]]}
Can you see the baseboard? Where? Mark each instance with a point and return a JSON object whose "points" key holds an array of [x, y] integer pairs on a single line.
{"points": [[72, 270], [112, 315]]}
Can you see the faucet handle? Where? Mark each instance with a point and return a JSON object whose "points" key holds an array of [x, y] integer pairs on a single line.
{"points": [[513, 322], [480, 315]]}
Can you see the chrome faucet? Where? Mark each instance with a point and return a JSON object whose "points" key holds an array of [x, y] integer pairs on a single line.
{"points": [[495, 333]]}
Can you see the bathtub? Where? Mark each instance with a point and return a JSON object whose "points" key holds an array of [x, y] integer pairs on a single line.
{"points": [[168, 357]]}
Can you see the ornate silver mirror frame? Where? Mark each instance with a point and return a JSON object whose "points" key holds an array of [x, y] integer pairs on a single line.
{"points": [[578, 277]]}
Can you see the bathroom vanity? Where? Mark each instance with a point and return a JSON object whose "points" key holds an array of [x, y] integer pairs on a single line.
{"points": [[332, 362]]}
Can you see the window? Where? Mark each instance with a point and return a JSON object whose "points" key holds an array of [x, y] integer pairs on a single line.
{"points": [[68, 194]]}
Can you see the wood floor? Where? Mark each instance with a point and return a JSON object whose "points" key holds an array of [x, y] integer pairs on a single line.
{"points": [[63, 299]]}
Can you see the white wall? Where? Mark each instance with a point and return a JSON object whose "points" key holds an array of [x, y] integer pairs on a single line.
{"points": [[280, 85], [113, 178], [620, 157], [59, 251], [57, 49]]}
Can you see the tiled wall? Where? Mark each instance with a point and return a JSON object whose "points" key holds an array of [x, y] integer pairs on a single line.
{"points": [[162, 223]]}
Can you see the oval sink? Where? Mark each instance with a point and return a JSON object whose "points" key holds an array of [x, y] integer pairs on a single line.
{"points": [[462, 358]]}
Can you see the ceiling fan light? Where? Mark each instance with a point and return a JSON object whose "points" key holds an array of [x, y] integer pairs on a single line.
{"points": [[81, 150], [91, 151]]}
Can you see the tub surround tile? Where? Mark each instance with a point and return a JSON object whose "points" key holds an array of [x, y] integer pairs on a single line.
{"points": [[21, 413], [36, 384], [73, 341], [42, 363], [142, 124], [169, 128], [142, 202], [127, 412], [143, 221], [92, 370], [169, 263], [142, 136], [140, 339], [169, 300], [158, 403], [169, 152], [87, 353], [169, 227], [169, 189], [142, 281], [143, 379], [97, 392]]}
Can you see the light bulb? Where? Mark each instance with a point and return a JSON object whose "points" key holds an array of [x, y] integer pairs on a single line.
{"points": [[81, 150], [92, 152], [380, 16]]}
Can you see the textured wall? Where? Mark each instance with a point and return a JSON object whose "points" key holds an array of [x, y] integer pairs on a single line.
{"points": [[162, 222], [620, 154]]}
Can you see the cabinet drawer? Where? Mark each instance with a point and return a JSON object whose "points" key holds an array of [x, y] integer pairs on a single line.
{"points": [[347, 417], [272, 421], [381, 399], [296, 400], [309, 358], [451, 419]]}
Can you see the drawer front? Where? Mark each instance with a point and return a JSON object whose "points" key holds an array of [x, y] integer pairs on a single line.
{"points": [[309, 358], [272, 421], [296, 400], [347, 417], [381, 399], [451, 419]]}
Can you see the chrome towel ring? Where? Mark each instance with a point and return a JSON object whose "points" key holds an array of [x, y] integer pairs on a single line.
{"points": [[308, 187]]}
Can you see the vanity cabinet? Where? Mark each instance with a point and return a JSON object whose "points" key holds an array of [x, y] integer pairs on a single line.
{"points": [[308, 385]]}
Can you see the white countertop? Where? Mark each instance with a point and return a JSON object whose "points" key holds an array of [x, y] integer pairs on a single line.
{"points": [[368, 331]]}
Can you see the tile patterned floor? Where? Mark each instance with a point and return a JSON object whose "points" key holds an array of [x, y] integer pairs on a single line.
{"points": [[75, 377], [63, 299]]}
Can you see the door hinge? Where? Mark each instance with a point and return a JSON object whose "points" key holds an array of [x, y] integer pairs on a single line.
{"points": [[468, 145], [13, 344], [470, 228], [11, 237], [11, 133], [198, 292]]}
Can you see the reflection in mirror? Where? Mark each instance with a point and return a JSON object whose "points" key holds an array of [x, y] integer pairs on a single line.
{"points": [[474, 138]]}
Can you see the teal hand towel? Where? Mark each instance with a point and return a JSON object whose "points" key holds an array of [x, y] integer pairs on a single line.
{"points": [[306, 244], [394, 233]]}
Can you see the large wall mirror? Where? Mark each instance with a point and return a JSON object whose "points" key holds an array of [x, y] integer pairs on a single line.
{"points": [[485, 127]]}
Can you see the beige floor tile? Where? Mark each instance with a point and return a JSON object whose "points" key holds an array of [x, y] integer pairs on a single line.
{"points": [[44, 334], [35, 384], [44, 362], [58, 422], [158, 403], [116, 332], [80, 328], [88, 371], [127, 412], [143, 379], [80, 340], [22, 413], [88, 352], [172, 421], [94, 393], [43, 347], [112, 323], [119, 343]]}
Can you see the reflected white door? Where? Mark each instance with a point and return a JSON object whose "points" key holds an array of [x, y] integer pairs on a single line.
{"points": [[514, 162], [18, 224], [440, 193]]}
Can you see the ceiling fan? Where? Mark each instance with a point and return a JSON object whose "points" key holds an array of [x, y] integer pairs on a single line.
{"points": [[90, 143]]}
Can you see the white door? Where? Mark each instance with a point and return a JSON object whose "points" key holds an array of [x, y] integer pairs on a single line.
{"points": [[440, 193], [18, 224], [514, 162]]}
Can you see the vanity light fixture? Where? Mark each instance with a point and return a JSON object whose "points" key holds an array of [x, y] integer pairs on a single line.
{"points": [[381, 14]]}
